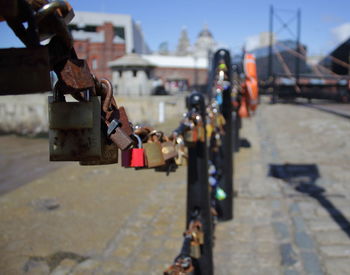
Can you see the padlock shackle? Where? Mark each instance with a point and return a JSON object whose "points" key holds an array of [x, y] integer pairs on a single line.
{"points": [[139, 141], [107, 96], [156, 132], [50, 8]]}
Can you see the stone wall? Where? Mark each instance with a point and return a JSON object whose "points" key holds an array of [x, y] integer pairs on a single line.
{"points": [[28, 114]]}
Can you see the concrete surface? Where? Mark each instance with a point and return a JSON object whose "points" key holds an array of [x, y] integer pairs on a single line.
{"points": [[109, 220]]}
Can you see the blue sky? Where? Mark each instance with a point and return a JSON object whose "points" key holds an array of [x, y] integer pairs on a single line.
{"points": [[324, 22]]}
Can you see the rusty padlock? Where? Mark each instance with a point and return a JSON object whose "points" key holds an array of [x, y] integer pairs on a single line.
{"points": [[110, 114], [76, 75], [74, 129], [109, 150]]}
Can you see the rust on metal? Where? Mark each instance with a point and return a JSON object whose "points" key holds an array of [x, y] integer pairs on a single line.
{"points": [[76, 75]]}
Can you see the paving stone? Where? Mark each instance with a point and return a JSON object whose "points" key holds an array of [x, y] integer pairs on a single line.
{"points": [[332, 237], [291, 272], [288, 255], [304, 241], [299, 223], [311, 263], [336, 251], [323, 225], [337, 266], [36, 268], [294, 208], [281, 230], [86, 268]]}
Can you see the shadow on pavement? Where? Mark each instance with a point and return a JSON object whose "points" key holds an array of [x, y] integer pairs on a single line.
{"points": [[329, 110], [302, 177], [244, 143]]}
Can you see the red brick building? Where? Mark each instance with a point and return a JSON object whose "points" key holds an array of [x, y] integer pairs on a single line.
{"points": [[98, 52], [101, 37]]}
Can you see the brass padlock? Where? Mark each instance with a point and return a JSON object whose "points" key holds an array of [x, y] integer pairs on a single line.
{"points": [[191, 135], [195, 249], [75, 130], [153, 152], [168, 149], [182, 152]]}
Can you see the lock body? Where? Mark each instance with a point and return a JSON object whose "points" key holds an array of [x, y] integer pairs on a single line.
{"points": [[168, 150], [153, 154], [78, 139]]}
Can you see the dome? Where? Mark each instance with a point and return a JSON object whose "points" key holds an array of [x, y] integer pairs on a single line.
{"points": [[205, 32]]}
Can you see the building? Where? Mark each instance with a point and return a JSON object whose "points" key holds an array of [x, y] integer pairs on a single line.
{"points": [[145, 74], [179, 73], [131, 75], [183, 45], [101, 37], [205, 43], [135, 74]]}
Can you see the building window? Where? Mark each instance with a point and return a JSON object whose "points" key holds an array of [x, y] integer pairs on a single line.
{"points": [[134, 73], [94, 64], [90, 28], [120, 73], [120, 32]]}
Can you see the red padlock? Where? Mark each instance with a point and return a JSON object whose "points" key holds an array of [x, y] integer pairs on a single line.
{"points": [[137, 154]]}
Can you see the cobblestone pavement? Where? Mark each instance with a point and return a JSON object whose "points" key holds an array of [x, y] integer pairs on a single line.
{"points": [[292, 208]]}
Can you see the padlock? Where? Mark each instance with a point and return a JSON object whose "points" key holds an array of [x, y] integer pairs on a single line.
{"points": [[122, 117], [118, 136], [109, 151], [200, 128], [126, 158], [182, 154], [168, 149], [199, 234], [153, 152], [195, 249], [138, 154], [134, 157], [191, 134], [111, 114], [74, 129], [24, 70]]}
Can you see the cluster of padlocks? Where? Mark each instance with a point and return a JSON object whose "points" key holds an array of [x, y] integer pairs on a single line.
{"points": [[93, 130], [191, 249]]}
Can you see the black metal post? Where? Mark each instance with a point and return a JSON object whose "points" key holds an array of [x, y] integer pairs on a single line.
{"points": [[198, 195], [226, 205]]}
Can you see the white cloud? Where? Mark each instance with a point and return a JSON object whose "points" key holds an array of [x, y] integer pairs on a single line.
{"points": [[252, 42], [341, 32]]}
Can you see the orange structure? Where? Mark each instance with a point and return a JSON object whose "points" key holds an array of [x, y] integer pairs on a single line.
{"points": [[250, 90]]}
